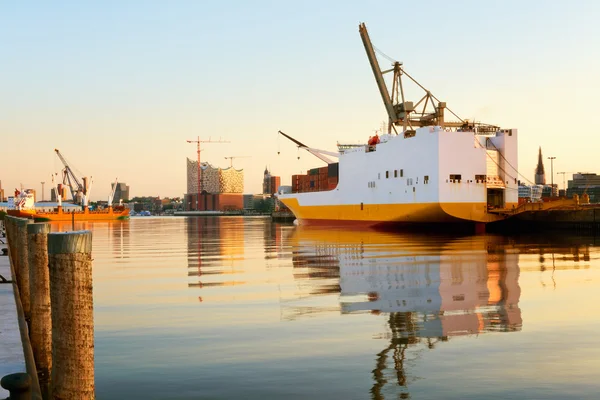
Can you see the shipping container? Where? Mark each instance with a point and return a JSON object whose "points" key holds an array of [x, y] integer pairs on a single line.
{"points": [[333, 170]]}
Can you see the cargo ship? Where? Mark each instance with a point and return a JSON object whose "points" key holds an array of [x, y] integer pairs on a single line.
{"points": [[24, 207], [23, 204], [424, 169]]}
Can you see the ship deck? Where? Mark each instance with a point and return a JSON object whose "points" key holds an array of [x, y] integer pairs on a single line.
{"points": [[557, 204]]}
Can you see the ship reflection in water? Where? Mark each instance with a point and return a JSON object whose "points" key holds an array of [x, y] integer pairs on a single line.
{"points": [[427, 289], [241, 308]]}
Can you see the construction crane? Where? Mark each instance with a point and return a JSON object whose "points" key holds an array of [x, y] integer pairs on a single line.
{"points": [[77, 189], [564, 183], [406, 113], [198, 141], [231, 158]]}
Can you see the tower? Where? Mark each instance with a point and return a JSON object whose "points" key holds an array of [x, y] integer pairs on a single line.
{"points": [[267, 182], [540, 176]]}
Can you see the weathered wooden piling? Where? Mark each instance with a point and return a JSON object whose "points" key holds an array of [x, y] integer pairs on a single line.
{"points": [[23, 264], [16, 383], [71, 299], [10, 241], [40, 332]]}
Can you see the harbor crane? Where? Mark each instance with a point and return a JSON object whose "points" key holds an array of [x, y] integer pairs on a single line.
{"points": [[231, 158], [78, 190], [406, 113]]}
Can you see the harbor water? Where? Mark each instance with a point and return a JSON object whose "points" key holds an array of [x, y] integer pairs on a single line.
{"points": [[241, 308]]}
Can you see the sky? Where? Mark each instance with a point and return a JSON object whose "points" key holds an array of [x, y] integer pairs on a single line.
{"points": [[120, 86]]}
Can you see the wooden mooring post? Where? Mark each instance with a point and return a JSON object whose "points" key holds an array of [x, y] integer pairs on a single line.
{"points": [[71, 300], [40, 327], [22, 270], [21, 385]]}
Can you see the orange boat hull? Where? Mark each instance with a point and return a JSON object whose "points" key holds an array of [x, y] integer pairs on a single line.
{"points": [[84, 215], [21, 213]]}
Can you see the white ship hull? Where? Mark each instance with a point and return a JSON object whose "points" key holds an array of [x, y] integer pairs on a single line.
{"points": [[433, 176]]}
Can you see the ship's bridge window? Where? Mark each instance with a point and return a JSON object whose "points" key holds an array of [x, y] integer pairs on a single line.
{"points": [[479, 178], [387, 174], [426, 179], [395, 173], [401, 173], [455, 178]]}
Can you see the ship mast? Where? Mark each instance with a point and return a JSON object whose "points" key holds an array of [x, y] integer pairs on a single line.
{"points": [[401, 112]]}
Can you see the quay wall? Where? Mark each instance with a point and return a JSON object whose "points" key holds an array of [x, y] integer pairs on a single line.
{"points": [[584, 220]]}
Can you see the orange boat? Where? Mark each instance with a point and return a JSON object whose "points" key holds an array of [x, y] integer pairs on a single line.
{"points": [[116, 213], [23, 203]]}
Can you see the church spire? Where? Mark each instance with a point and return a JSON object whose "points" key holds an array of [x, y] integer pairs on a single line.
{"points": [[540, 176]]}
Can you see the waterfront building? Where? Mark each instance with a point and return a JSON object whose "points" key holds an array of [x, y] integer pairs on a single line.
{"points": [[585, 182], [252, 201], [121, 192], [220, 188], [550, 190], [532, 193], [270, 183], [214, 180]]}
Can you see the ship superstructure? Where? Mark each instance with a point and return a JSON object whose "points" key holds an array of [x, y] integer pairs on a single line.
{"points": [[423, 170]]}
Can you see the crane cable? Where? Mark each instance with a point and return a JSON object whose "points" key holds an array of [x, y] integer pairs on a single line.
{"points": [[498, 165], [494, 161], [381, 53], [505, 160]]}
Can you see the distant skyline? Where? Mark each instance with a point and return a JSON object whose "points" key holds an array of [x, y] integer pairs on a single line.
{"points": [[119, 86]]}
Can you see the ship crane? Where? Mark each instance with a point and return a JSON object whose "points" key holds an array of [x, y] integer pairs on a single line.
{"points": [[111, 195], [405, 113], [69, 179], [320, 154]]}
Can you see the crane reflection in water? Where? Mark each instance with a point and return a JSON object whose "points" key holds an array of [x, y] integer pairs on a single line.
{"points": [[427, 288], [424, 289]]}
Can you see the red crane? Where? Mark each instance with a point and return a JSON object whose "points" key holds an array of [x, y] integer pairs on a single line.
{"points": [[198, 141]]}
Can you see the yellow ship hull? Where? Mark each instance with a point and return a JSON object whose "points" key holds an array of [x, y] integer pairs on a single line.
{"points": [[380, 214]]}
